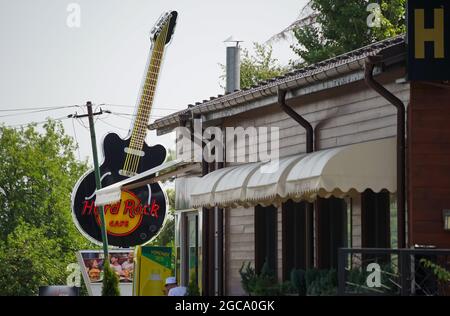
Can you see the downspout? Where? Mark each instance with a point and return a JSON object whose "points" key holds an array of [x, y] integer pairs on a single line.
{"points": [[371, 62], [309, 209], [207, 271], [220, 231], [299, 119], [184, 273]]}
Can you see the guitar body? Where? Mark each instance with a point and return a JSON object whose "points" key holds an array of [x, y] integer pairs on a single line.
{"points": [[83, 197]]}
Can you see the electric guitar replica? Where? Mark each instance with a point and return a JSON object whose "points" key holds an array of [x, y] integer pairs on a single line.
{"points": [[140, 214]]}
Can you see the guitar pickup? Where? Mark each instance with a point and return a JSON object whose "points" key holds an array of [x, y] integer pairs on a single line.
{"points": [[133, 151]]}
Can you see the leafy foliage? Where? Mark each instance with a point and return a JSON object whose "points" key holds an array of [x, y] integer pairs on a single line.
{"points": [[262, 284], [442, 274], [166, 238], [110, 281], [37, 236], [313, 282], [248, 276], [28, 260], [321, 282], [259, 66], [341, 26], [193, 289], [167, 235], [298, 280]]}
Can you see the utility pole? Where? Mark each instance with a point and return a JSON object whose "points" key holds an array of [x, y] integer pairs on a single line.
{"points": [[98, 183]]}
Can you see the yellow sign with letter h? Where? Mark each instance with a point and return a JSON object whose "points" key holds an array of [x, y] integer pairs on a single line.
{"points": [[435, 35]]}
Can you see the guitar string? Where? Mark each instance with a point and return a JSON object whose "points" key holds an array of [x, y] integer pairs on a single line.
{"points": [[143, 118], [130, 157], [146, 101], [132, 140], [137, 138], [152, 87], [143, 109]]}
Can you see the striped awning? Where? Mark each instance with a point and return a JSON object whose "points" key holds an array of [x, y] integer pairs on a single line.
{"points": [[339, 172]]}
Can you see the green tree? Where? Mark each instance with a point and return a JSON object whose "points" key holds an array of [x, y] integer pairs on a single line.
{"points": [[110, 281], [37, 236], [259, 66], [166, 237], [341, 26]]}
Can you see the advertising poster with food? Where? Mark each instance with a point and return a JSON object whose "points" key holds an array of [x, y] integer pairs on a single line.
{"points": [[92, 263]]}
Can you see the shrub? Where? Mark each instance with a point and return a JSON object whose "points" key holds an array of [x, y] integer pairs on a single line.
{"points": [[110, 281], [298, 281], [193, 289]]}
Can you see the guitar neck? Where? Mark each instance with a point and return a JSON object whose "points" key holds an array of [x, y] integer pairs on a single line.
{"points": [[139, 130]]}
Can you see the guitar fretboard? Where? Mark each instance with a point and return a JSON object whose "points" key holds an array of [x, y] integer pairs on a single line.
{"points": [[139, 130]]}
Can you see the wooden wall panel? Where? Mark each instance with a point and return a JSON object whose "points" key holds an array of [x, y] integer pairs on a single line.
{"points": [[342, 116], [429, 164], [240, 246]]}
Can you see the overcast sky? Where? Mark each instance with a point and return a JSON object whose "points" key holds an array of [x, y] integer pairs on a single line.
{"points": [[44, 62]]}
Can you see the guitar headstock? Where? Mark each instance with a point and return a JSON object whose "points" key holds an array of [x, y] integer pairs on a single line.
{"points": [[169, 18]]}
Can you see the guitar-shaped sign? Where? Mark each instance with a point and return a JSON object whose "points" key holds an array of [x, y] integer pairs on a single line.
{"points": [[140, 214]]}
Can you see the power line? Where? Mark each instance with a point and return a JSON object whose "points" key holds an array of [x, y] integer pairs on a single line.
{"points": [[132, 106], [113, 126], [76, 139], [79, 121], [34, 111], [37, 123], [134, 115], [40, 108], [26, 111]]}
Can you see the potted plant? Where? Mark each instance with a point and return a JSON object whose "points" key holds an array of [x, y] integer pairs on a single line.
{"points": [[262, 284], [298, 281]]}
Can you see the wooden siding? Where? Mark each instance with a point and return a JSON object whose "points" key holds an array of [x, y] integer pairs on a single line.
{"points": [[429, 164], [341, 116], [239, 246]]}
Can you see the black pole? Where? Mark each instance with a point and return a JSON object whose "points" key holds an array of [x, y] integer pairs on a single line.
{"points": [[98, 184]]}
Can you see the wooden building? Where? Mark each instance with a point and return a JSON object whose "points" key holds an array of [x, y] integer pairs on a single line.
{"points": [[349, 174]]}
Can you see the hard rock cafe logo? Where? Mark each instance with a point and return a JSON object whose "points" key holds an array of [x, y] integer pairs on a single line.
{"points": [[124, 217]]}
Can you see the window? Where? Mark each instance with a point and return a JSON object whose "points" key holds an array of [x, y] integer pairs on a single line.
{"points": [[296, 226], [188, 247], [266, 237], [192, 243], [331, 230], [178, 246]]}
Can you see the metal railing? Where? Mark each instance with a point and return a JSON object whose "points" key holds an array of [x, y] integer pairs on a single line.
{"points": [[383, 271]]}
